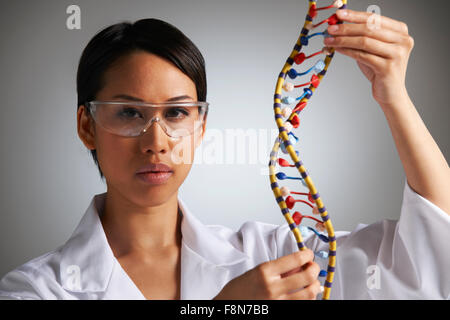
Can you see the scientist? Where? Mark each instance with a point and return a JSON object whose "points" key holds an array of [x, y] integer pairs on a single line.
{"points": [[141, 95]]}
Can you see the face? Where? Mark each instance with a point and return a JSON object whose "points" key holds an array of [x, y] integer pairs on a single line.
{"points": [[152, 79]]}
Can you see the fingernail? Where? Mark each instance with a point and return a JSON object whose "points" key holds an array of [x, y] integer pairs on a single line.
{"points": [[333, 28], [322, 289], [328, 40], [343, 12]]}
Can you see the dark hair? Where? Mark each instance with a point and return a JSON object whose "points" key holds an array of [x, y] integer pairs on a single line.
{"points": [[150, 35]]}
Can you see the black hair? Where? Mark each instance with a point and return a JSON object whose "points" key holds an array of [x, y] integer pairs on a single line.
{"points": [[151, 35]]}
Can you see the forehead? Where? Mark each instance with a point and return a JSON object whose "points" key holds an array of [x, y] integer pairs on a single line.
{"points": [[146, 76]]}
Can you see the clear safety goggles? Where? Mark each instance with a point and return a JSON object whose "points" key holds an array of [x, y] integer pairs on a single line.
{"points": [[132, 119]]}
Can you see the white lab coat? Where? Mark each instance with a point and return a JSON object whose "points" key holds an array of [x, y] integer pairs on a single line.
{"points": [[405, 259]]}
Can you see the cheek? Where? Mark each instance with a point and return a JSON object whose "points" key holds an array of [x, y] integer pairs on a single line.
{"points": [[114, 154]]}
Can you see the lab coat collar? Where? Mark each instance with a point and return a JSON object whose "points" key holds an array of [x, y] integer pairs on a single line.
{"points": [[201, 239], [88, 251]]}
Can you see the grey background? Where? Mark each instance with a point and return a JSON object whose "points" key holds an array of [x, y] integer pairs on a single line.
{"points": [[48, 177]]}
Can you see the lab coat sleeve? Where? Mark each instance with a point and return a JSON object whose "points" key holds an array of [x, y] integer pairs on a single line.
{"points": [[424, 230], [16, 285], [404, 259]]}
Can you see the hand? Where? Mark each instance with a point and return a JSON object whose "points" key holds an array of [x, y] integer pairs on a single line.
{"points": [[292, 277], [381, 46]]}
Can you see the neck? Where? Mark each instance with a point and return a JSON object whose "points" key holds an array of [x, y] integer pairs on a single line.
{"points": [[133, 229]]}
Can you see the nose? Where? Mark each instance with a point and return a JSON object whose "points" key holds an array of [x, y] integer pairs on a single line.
{"points": [[154, 139], [154, 119]]}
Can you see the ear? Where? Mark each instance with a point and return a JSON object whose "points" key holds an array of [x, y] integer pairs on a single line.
{"points": [[86, 127], [203, 128]]}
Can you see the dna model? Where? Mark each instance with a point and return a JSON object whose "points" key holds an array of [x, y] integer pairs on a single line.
{"points": [[287, 139]]}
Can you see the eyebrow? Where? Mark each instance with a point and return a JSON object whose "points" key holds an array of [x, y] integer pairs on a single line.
{"points": [[127, 97]]}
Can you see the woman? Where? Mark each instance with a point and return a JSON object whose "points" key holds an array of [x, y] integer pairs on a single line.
{"points": [[139, 241]]}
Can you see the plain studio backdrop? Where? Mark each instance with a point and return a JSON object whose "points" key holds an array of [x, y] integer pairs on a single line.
{"points": [[48, 177]]}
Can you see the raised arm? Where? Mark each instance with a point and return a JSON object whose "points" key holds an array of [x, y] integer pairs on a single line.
{"points": [[381, 47]]}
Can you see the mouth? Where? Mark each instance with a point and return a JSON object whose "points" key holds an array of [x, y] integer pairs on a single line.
{"points": [[155, 173], [154, 177], [155, 167]]}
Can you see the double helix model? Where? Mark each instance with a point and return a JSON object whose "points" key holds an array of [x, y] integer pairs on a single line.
{"points": [[287, 139]]}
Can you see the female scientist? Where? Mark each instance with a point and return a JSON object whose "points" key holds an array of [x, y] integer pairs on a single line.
{"points": [[141, 96]]}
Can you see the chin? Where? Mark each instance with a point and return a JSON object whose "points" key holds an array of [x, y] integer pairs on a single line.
{"points": [[152, 194]]}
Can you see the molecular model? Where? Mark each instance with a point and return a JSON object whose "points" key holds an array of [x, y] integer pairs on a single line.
{"points": [[287, 139]]}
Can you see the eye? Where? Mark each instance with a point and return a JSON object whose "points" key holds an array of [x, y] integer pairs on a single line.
{"points": [[177, 113], [128, 112]]}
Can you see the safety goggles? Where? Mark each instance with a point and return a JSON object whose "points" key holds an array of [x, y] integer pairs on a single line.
{"points": [[132, 119]]}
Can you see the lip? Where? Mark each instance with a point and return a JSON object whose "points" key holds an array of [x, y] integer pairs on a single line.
{"points": [[155, 167], [155, 177], [154, 173]]}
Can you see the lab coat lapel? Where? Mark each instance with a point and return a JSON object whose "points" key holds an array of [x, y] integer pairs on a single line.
{"points": [[87, 254], [208, 261], [88, 268], [121, 286], [200, 279]]}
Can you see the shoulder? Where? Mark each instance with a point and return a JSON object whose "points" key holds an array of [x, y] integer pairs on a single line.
{"points": [[256, 237], [35, 279]]}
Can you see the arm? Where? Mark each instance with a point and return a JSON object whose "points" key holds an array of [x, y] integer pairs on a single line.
{"points": [[426, 169], [381, 48]]}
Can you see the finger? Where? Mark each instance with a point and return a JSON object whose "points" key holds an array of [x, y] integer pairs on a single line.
{"points": [[295, 270], [291, 261], [308, 293], [373, 61], [385, 35], [364, 17], [367, 44], [300, 279]]}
